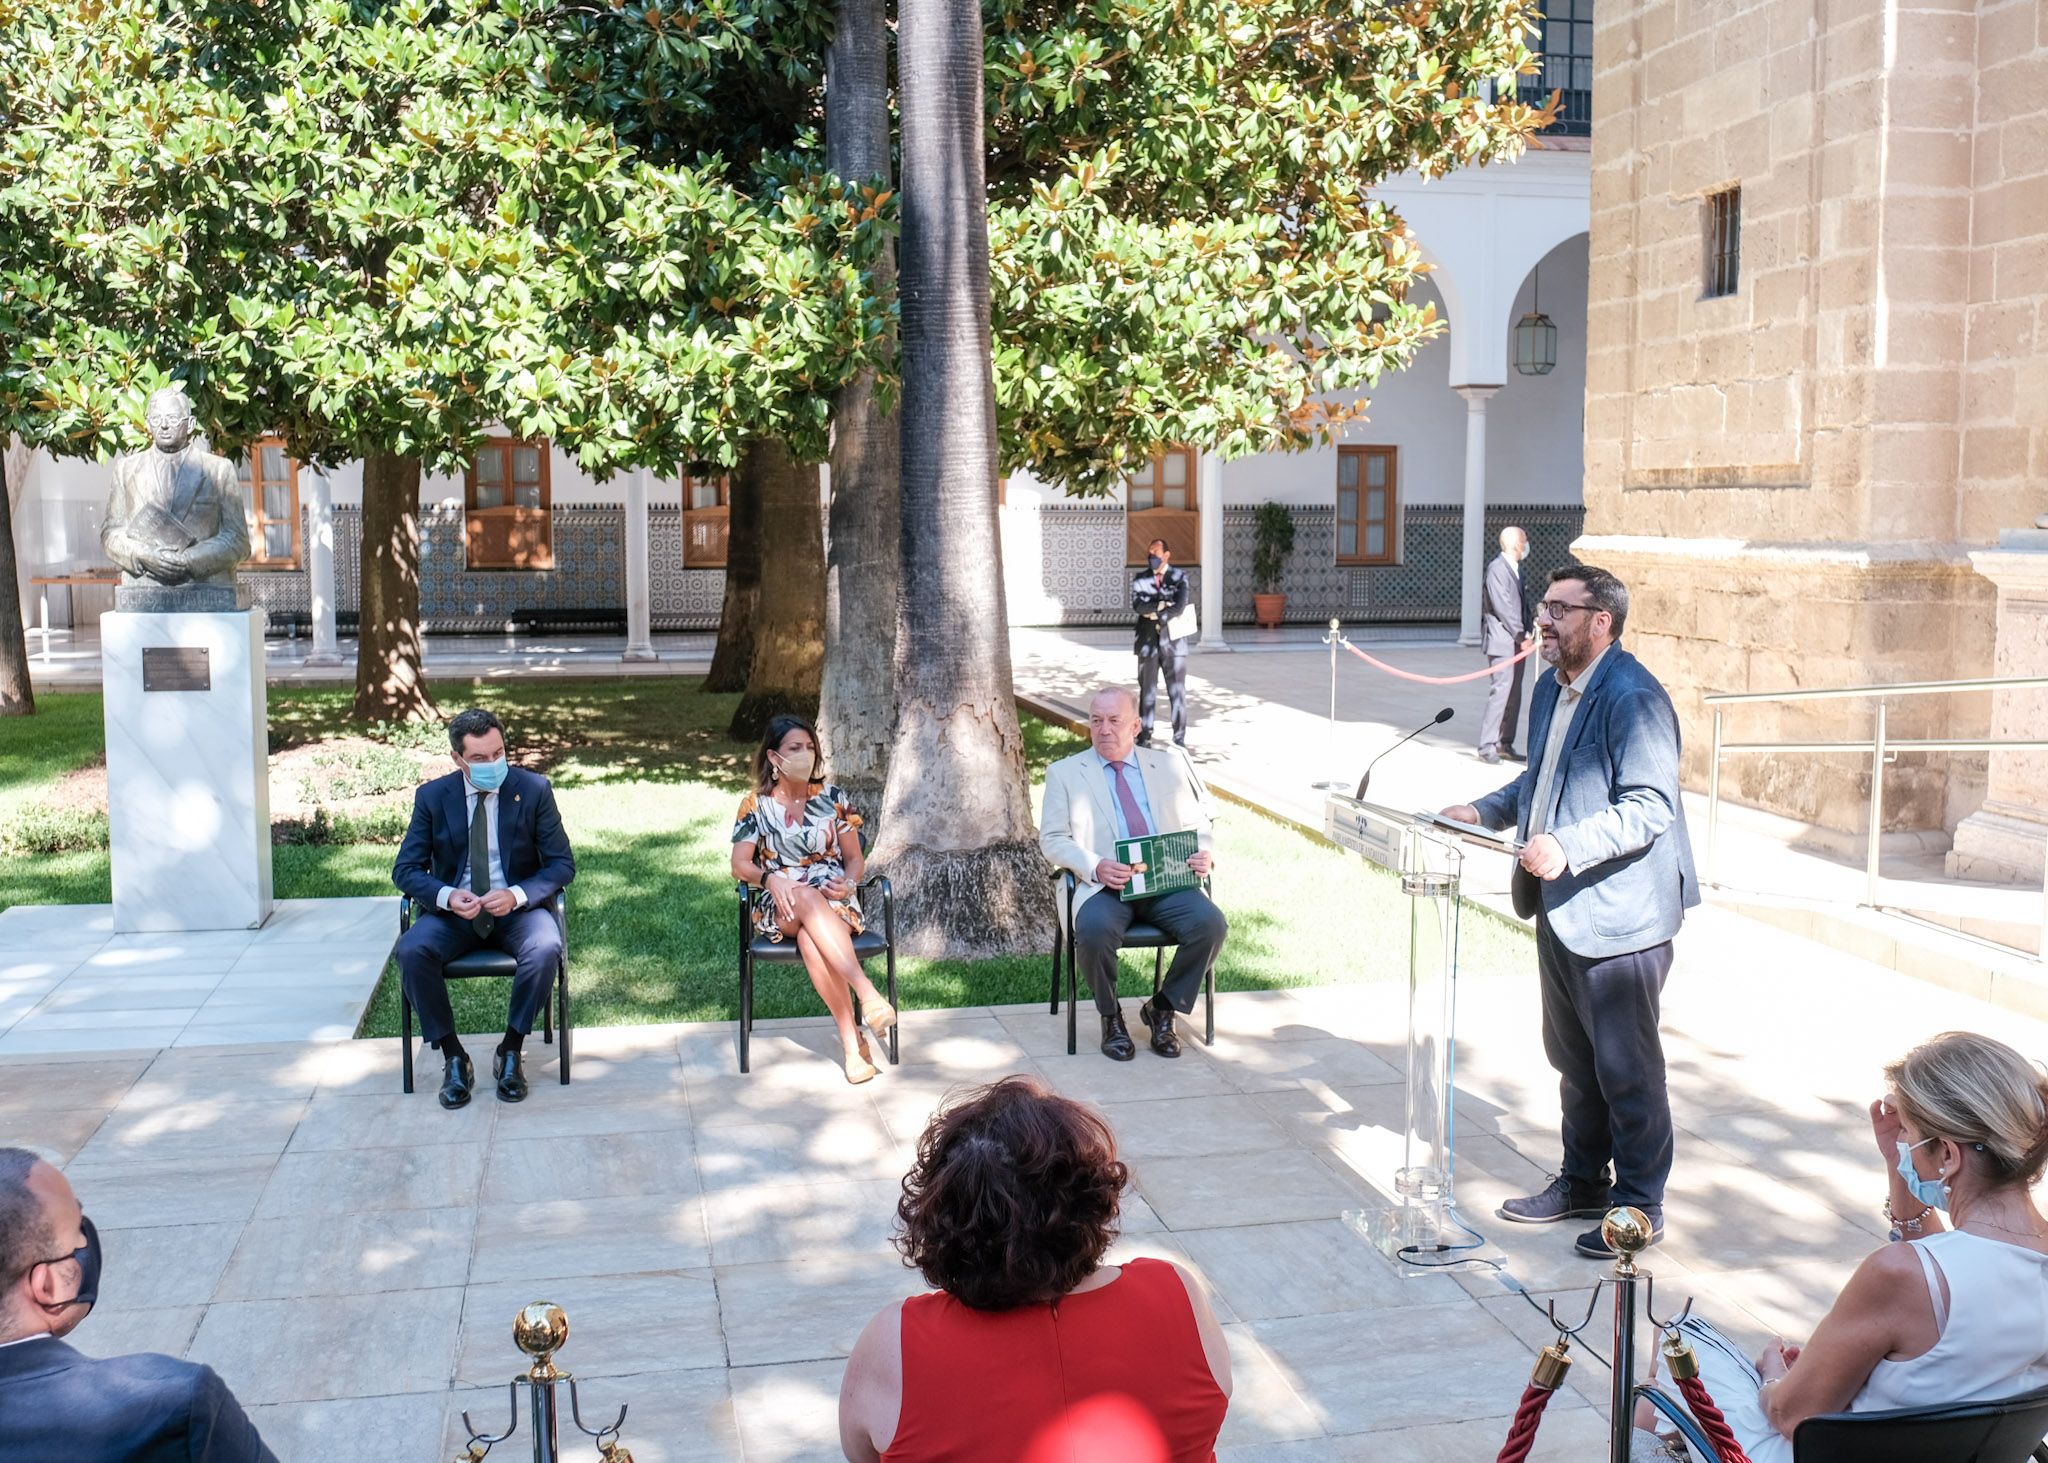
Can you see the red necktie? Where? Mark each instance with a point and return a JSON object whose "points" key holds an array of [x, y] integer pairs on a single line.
{"points": [[1133, 818]]}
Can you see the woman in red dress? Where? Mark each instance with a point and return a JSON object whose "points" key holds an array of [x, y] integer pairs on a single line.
{"points": [[1031, 1350]]}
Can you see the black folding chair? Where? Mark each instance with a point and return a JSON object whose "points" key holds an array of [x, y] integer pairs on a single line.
{"points": [[482, 964], [1140, 936], [866, 946], [2008, 1431]]}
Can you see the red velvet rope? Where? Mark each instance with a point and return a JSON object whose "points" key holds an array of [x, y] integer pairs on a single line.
{"points": [[1522, 1432], [1496, 669], [1711, 1421]]}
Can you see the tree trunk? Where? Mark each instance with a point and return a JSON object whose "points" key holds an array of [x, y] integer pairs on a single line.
{"points": [[789, 622], [956, 839], [733, 656], [391, 678], [17, 695], [863, 562]]}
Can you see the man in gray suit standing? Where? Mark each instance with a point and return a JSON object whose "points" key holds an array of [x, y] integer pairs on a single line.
{"points": [[1606, 870], [1504, 634]]}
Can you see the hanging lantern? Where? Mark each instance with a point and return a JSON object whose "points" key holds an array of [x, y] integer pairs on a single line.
{"points": [[1535, 338]]}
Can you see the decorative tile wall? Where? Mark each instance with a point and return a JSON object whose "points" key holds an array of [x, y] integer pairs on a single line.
{"points": [[1078, 578]]}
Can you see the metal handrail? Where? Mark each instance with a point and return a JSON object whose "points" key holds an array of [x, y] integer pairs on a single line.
{"points": [[1901, 688], [1880, 749]]}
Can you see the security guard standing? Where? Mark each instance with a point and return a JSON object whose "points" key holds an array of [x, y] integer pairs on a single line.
{"points": [[1161, 598]]}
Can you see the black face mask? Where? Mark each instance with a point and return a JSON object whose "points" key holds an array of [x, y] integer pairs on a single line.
{"points": [[1155, 561], [90, 1259]]}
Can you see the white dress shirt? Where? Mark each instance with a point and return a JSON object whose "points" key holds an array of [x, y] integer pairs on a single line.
{"points": [[496, 867], [1568, 696]]}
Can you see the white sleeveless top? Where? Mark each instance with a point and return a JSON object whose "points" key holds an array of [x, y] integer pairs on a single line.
{"points": [[1993, 1331]]}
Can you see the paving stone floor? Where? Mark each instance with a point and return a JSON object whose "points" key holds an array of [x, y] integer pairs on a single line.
{"points": [[351, 1259], [68, 983]]}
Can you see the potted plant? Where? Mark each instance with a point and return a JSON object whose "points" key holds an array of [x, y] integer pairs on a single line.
{"points": [[1273, 541]]}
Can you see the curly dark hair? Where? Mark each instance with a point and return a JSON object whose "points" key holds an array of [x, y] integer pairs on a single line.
{"points": [[1013, 1198]]}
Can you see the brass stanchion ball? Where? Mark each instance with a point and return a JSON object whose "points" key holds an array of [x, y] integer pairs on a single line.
{"points": [[540, 1330], [1627, 1232]]}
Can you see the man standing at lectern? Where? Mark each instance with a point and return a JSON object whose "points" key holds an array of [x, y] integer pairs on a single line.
{"points": [[1606, 870], [484, 854]]}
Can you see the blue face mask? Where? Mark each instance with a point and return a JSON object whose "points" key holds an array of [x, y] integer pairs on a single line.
{"points": [[488, 776], [1931, 1192]]}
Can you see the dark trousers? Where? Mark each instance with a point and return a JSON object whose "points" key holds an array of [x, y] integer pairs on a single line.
{"points": [[1600, 1033], [1503, 706], [530, 936], [1173, 656], [1196, 924]]}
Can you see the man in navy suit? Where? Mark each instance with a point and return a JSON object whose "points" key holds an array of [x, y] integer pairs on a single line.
{"points": [[484, 854], [1606, 869], [57, 1403]]}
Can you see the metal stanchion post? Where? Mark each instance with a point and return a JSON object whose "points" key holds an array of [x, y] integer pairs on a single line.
{"points": [[1627, 1232], [540, 1330], [1332, 639]]}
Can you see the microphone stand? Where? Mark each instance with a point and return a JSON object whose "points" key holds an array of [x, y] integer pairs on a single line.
{"points": [[1438, 720]]}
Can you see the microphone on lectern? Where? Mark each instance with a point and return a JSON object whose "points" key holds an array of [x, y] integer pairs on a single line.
{"points": [[1438, 720]]}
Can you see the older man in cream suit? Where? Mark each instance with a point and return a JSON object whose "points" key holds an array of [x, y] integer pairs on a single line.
{"points": [[1118, 789]]}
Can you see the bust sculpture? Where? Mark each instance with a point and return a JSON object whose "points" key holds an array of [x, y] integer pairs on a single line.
{"points": [[176, 524]]}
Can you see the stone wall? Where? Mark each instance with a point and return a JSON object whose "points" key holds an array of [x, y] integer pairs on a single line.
{"points": [[1791, 476]]}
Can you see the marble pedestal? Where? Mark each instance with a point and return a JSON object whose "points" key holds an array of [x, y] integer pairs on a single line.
{"points": [[188, 770], [2007, 839]]}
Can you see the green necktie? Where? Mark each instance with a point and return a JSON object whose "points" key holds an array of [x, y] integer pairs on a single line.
{"points": [[480, 866]]}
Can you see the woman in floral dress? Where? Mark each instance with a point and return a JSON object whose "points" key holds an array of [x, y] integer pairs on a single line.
{"points": [[796, 844]]}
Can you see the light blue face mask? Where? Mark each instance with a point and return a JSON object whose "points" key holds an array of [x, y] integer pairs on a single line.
{"points": [[1931, 1192], [488, 776]]}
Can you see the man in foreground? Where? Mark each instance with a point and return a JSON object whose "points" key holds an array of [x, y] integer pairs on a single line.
{"points": [[1606, 870], [58, 1404], [1118, 789], [485, 852]]}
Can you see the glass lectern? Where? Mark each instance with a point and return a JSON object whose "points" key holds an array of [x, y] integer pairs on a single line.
{"points": [[1419, 1223]]}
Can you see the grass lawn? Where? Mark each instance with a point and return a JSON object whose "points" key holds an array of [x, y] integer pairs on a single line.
{"points": [[648, 783]]}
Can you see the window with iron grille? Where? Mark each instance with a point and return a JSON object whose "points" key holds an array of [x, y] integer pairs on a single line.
{"points": [[1724, 242], [1564, 41]]}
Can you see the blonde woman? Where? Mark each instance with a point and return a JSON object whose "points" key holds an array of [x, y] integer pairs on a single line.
{"points": [[796, 844], [1956, 1309]]}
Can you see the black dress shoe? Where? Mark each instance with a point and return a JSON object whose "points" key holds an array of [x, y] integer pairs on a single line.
{"points": [[1116, 1039], [457, 1081], [1563, 1199], [1511, 755], [511, 1081], [1159, 1016]]}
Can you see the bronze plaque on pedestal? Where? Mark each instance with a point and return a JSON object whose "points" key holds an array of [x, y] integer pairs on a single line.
{"points": [[175, 668]]}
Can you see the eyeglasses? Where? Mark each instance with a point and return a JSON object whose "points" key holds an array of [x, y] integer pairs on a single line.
{"points": [[1557, 609]]}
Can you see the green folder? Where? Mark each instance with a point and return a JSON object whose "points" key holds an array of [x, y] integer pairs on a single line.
{"points": [[1161, 860]]}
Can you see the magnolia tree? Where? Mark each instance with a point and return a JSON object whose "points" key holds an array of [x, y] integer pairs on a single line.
{"points": [[381, 234]]}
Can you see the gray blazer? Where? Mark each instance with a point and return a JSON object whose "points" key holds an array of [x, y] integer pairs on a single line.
{"points": [[1615, 812], [1507, 611]]}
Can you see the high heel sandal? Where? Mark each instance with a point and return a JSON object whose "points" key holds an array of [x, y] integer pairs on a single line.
{"points": [[859, 1065], [878, 1016]]}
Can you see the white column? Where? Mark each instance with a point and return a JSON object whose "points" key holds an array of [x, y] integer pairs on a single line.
{"points": [[639, 589], [1473, 571], [320, 567], [1209, 491]]}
